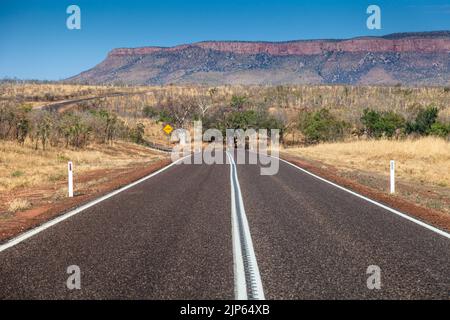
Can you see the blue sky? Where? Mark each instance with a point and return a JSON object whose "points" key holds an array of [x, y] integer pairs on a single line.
{"points": [[35, 43]]}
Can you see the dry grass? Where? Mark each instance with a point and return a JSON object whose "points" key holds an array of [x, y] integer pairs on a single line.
{"points": [[425, 160], [31, 93], [18, 205], [153, 130], [23, 167]]}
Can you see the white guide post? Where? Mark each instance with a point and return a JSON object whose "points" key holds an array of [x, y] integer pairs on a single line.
{"points": [[392, 167], [70, 175]]}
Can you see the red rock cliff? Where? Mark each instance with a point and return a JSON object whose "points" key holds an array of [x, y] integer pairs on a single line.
{"points": [[309, 47]]}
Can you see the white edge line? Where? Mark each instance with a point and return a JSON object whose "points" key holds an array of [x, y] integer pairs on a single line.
{"points": [[240, 285], [252, 256], [48, 224], [403, 215]]}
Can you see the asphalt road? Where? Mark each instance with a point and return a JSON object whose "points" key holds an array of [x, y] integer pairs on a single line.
{"points": [[171, 237]]}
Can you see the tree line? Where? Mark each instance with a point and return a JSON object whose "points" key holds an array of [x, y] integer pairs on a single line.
{"points": [[321, 125], [239, 113], [68, 129], [77, 128], [315, 125]]}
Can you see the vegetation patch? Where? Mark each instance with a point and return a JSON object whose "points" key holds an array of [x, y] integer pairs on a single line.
{"points": [[18, 205]]}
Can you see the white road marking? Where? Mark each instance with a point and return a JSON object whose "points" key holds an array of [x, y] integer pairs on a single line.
{"points": [[69, 214], [248, 284], [403, 215], [240, 286]]}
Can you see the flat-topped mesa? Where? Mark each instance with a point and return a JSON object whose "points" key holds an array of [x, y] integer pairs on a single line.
{"points": [[413, 59], [320, 46], [145, 50], [307, 47], [133, 51]]}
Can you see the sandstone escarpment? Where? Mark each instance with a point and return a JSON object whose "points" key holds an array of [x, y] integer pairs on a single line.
{"points": [[409, 58]]}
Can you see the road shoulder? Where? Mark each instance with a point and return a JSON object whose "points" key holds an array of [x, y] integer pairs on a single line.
{"points": [[44, 210], [436, 218]]}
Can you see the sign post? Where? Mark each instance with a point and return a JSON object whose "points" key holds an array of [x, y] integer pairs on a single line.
{"points": [[168, 130], [392, 167], [70, 175]]}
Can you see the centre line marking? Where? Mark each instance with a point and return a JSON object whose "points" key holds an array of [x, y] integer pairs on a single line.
{"points": [[247, 279]]}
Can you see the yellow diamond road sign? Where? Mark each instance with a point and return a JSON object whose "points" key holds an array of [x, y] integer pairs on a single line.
{"points": [[168, 129]]}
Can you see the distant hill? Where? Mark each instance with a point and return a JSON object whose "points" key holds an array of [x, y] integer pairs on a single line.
{"points": [[408, 58]]}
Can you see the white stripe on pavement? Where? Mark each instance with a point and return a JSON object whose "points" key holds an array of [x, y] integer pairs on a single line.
{"points": [[248, 284], [69, 214], [240, 286], [403, 215]]}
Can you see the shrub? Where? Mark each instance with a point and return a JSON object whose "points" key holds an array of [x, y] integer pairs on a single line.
{"points": [[165, 117], [242, 120], [378, 124], [17, 174], [424, 121], [391, 122], [238, 102], [18, 205], [75, 128], [320, 126], [42, 124], [150, 112], [439, 129], [137, 133]]}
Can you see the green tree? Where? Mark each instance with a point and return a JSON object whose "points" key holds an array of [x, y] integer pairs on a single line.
{"points": [[238, 102], [320, 126], [378, 124], [242, 120], [42, 124], [23, 123], [371, 120], [424, 121]]}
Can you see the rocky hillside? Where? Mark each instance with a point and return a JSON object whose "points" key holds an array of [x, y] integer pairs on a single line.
{"points": [[406, 58]]}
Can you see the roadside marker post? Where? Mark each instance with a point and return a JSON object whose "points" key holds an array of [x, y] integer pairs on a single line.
{"points": [[70, 175], [392, 167]]}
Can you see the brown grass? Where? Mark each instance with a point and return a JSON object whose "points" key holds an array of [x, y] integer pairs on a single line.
{"points": [[153, 130], [33, 93], [425, 160], [23, 167], [18, 205]]}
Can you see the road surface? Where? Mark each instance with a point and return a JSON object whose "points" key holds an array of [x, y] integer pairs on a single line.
{"points": [[56, 106], [196, 232]]}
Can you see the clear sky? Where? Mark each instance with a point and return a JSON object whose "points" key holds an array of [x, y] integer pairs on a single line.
{"points": [[36, 44]]}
